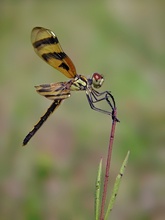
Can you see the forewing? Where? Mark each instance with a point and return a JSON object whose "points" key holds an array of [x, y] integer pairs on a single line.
{"points": [[47, 46]]}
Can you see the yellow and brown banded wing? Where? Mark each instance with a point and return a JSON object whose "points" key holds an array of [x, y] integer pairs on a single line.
{"points": [[54, 91], [47, 46]]}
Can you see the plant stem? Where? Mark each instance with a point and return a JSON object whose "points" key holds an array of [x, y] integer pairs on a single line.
{"points": [[106, 178]]}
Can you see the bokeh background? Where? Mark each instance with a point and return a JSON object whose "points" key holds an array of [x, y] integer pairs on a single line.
{"points": [[53, 177]]}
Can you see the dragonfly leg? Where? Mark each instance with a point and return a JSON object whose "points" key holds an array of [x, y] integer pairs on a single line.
{"points": [[94, 97]]}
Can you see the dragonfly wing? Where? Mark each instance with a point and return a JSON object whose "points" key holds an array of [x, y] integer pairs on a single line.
{"points": [[54, 91], [47, 46]]}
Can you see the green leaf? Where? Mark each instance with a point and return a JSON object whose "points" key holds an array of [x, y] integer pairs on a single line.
{"points": [[97, 192], [116, 186]]}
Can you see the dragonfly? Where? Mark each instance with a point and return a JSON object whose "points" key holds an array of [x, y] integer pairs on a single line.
{"points": [[47, 47]]}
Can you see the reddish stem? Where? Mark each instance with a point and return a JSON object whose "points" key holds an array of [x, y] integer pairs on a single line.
{"points": [[106, 178]]}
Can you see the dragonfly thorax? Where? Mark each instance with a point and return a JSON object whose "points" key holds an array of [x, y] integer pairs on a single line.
{"points": [[97, 80], [79, 83]]}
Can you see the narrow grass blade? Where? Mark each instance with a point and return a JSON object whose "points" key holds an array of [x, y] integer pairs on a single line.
{"points": [[97, 192], [116, 186]]}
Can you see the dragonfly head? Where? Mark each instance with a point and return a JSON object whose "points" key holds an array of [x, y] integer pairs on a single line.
{"points": [[97, 80]]}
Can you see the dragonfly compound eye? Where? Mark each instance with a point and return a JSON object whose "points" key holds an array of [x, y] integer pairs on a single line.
{"points": [[97, 80]]}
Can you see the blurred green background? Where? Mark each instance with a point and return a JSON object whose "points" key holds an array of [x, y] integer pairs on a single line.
{"points": [[53, 177]]}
